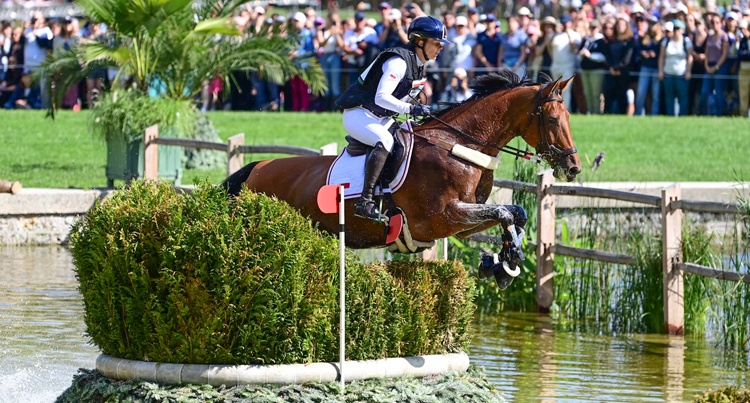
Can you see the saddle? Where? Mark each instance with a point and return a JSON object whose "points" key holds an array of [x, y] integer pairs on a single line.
{"points": [[397, 156]]}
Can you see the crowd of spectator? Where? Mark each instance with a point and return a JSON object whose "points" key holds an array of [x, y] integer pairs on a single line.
{"points": [[637, 58]]}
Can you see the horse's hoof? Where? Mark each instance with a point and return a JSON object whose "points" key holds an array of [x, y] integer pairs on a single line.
{"points": [[485, 272], [504, 274]]}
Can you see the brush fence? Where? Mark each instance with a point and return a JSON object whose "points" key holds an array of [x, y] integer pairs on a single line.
{"points": [[234, 147], [671, 206]]}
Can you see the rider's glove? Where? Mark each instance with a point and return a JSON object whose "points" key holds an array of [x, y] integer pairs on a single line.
{"points": [[420, 110]]}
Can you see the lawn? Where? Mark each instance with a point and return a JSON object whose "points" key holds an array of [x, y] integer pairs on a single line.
{"points": [[41, 152]]}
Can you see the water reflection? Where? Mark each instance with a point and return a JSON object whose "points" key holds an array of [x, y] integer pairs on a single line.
{"points": [[42, 345], [528, 360], [42, 342]]}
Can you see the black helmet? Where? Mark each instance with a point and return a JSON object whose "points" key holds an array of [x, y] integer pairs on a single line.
{"points": [[428, 27]]}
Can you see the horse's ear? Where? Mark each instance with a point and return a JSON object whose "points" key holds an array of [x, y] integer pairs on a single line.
{"points": [[566, 83], [550, 87]]}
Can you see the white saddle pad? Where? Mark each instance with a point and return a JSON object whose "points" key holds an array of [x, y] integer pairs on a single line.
{"points": [[351, 170]]}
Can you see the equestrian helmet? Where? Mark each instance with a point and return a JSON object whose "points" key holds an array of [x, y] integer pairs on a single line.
{"points": [[428, 27]]}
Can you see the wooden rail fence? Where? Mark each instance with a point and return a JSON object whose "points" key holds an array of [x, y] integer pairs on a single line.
{"points": [[234, 147], [670, 203], [671, 206]]}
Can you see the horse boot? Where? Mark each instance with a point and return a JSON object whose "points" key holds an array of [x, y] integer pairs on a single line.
{"points": [[365, 207], [510, 257]]}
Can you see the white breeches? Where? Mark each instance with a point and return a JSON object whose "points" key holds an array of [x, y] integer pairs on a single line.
{"points": [[364, 126]]}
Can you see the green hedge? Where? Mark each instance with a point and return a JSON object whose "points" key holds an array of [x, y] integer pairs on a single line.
{"points": [[197, 278]]}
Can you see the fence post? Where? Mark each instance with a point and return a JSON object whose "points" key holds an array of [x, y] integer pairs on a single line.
{"points": [[545, 240], [330, 149], [671, 221], [235, 159], [151, 153]]}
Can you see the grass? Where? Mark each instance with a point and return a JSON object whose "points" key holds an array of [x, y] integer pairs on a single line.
{"points": [[63, 153]]}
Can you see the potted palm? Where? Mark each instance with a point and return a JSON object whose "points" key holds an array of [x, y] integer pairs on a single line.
{"points": [[163, 51]]}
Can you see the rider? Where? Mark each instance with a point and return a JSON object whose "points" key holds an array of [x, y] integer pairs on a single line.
{"points": [[371, 103]]}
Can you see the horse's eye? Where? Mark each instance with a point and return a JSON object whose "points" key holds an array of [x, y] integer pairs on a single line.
{"points": [[552, 120]]}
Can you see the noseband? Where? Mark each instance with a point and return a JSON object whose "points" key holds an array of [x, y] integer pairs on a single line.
{"points": [[545, 148]]}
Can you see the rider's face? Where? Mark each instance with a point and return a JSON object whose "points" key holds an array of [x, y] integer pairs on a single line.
{"points": [[432, 48]]}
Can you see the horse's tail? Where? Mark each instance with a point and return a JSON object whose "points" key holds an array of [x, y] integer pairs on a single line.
{"points": [[233, 184]]}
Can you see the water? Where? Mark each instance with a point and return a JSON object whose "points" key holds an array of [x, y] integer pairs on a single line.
{"points": [[42, 345]]}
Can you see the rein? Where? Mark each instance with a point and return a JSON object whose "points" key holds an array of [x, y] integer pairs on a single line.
{"points": [[550, 151]]}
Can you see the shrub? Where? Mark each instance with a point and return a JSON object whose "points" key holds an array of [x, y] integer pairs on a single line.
{"points": [[197, 278]]}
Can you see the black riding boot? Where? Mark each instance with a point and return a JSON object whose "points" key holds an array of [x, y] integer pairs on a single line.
{"points": [[365, 207]]}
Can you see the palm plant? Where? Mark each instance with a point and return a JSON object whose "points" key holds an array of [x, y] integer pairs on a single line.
{"points": [[178, 44]]}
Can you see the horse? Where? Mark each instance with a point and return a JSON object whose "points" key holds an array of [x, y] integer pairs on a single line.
{"points": [[443, 195]]}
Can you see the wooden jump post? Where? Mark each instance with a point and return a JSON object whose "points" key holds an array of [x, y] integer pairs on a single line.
{"points": [[545, 240], [10, 187], [671, 219]]}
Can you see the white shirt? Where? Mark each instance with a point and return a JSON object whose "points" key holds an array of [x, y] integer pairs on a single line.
{"points": [[560, 50], [675, 57], [33, 54], [351, 38], [394, 70], [462, 49]]}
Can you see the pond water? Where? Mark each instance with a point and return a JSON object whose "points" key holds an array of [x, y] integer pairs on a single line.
{"points": [[42, 344]]}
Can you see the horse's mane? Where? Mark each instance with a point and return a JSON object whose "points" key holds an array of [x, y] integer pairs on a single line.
{"points": [[503, 79]]}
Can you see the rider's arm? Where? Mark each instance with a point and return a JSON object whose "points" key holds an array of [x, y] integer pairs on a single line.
{"points": [[394, 70]]}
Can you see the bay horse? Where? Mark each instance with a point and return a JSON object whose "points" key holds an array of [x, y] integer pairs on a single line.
{"points": [[443, 195]]}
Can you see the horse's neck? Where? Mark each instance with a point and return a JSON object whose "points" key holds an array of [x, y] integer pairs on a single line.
{"points": [[495, 119]]}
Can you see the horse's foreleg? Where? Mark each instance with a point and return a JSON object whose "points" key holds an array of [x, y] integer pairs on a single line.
{"points": [[505, 265], [486, 216]]}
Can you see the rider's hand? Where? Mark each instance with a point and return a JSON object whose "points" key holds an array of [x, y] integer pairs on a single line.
{"points": [[420, 110]]}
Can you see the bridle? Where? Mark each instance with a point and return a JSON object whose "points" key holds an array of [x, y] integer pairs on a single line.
{"points": [[545, 149]]}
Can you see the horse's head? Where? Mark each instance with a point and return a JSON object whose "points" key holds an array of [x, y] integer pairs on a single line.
{"points": [[549, 131]]}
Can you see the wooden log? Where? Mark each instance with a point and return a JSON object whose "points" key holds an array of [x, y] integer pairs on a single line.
{"points": [[671, 219], [10, 187], [545, 242]]}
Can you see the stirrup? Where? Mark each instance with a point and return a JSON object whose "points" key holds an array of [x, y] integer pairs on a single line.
{"points": [[366, 209]]}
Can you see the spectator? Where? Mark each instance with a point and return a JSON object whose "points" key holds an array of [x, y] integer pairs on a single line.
{"points": [[563, 49], [698, 37], [593, 66], [542, 45], [24, 96], [393, 32], [361, 46], [717, 70], [6, 40], [385, 20], [487, 49], [95, 80], [675, 64], [10, 81], [743, 55], [620, 55], [733, 34], [472, 15], [533, 60], [649, 46], [514, 49], [462, 45], [330, 47], [66, 39], [38, 42], [524, 16], [458, 89], [300, 96]]}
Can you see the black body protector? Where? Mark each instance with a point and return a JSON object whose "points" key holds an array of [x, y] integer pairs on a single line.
{"points": [[362, 93]]}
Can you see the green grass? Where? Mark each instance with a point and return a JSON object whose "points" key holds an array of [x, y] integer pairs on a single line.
{"points": [[63, 153]]}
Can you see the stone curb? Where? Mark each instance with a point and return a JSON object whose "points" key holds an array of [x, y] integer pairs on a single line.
{"points": [[234, 375]]}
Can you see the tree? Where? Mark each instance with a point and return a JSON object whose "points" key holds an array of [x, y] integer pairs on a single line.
{"points": [[176, 45]]}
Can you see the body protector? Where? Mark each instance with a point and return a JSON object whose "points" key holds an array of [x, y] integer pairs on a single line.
{"points": [[362, 93]]}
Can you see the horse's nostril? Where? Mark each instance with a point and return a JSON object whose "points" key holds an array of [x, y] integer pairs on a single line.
{"points": [[574, 170]]}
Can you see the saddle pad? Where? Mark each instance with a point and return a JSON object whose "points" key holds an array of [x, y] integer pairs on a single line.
{"points": [[351, 170]]}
